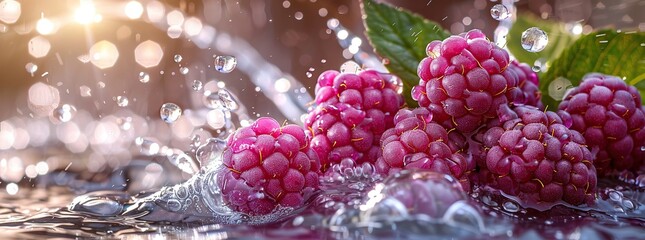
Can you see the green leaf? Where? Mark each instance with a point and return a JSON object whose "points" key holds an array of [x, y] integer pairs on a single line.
{"points": [[400, 37], [608, 52], [559, 38]]}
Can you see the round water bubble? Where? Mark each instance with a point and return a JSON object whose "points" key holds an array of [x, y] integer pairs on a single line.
{"points": [[197, 85], [183, 70], [144, 77], [170, 112], [122, 101], [177, 58], [534, 39], [499, 12], [225, 64], [64, 113], [31, 68]]}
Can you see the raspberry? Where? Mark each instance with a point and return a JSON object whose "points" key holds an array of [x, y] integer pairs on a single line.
{"points": [[527, 91], [537, 158], [266, 166], [418, 143], [610, 116], [465, 79], [352, 112]]}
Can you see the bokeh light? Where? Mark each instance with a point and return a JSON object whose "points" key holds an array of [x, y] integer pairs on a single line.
{"points": [[104, 54], [45, 26], [133, 9], [9, 11], [38, 47], [148, 54], [86, 13]]}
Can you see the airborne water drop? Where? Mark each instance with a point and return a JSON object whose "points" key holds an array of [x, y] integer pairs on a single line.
{"points": [[499, 12], [170, 112], [534, 39], [225, 64]]}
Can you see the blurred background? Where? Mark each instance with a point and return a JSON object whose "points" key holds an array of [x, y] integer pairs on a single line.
{"points": [[83, 82]]}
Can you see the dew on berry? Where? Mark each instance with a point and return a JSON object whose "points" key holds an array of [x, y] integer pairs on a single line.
{"points": [[534, 39]]}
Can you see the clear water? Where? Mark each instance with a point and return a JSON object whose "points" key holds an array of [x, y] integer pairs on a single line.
{"points": [[154, 180]]}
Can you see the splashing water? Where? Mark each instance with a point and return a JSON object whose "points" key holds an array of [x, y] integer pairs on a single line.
{"points": [[354, 202]]}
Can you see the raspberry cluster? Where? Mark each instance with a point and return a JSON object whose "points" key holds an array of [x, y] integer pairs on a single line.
{"points": [[610, 116], [266, 166], [464, 80], [415, 142], [352, 112], [480, 120], [535, 156]]}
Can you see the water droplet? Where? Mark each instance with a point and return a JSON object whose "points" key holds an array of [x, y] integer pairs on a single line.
{"points": [[643, 148], [628, 204], [309, 74], [227, 99], [350, 67], [183, 70], [122, 101], [225, 64], [536, 68], [210, 151], [511, 207], [173, 205], [534, 39], [499, 12], [323, 60], [178, 58], [101, 85], [144, 77], [170, 112], [197, 85], [64, 113], [31, 68], [615, 195]]}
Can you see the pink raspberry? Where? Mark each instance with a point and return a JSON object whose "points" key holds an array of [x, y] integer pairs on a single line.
{"points": [[266, 166], [465, 79], [352, 112], [610, 116], [527, 92], [416, 142], [536, 157]]}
